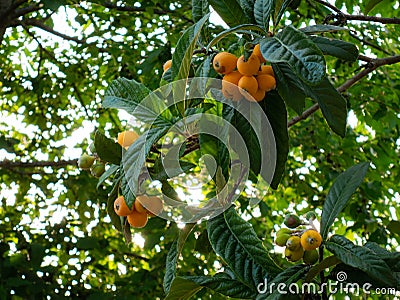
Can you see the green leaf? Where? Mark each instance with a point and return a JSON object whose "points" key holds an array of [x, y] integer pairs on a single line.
{"points": [[370, 5], [295, 48], [286, 277], [236, 29], [125, 94], [224, 284], [313, 29], [136, 99], [182, 289], [203, 245], [340, 193], [182, 57], [361, 258], [262, 12], [110, 171], [36, 254], [236, 242], [391, 258], [53, 4], [337, 48], [332, 104], [126, 191], [289, 87], [173, 255], [275, 109], [230, 11], [161, 173], [134, 159], [394, 227], [115, 219], [200, 8], [107, 149], [248, 9]]}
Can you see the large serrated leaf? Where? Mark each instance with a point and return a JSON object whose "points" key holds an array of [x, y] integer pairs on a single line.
{"points": [[361, 258], [287, 277], [296, 49], [182, 289], [173, 256], [262, 12], [332, 103], [275, 109], [340, 193], [236, 242], [107, 149], [289, 87], [224, 284], [230, 11], [134, 159], [391, 258], [199, 9], [182, 57], [337, 48], [248, 9]]}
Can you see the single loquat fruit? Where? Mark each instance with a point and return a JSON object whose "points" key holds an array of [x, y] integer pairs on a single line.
{"points": [[268, 70], [229, 86], [259, 95], [266, 82], [250, 66], [137, 219], [126, 138], [224, 62], [120, 207], [167, 65], [294, 255], [257, 51], [311, 239], [248, 84]]}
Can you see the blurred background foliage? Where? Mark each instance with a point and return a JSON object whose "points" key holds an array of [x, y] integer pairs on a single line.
{"points": [[56, 59]]}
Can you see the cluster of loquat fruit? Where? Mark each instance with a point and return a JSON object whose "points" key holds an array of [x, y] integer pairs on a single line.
{"points": [[245, 78], [299, 243], [92, 162]]}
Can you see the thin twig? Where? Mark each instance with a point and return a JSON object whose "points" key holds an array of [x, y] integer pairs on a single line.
{"points": [[371, 66]]}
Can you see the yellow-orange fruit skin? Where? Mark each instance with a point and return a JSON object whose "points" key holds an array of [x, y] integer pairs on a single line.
{"points": [[257, 51], [229, 86], [126, 138], [152, 205], [137, 219], [268, 70], [250, 66], [120, 207], [266, 82], [259, 95], [224, 62], [248, 84], [167, 65]]}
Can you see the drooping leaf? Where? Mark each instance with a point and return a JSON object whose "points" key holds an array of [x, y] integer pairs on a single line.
{"points": [[235, 241], [298, 51], [314, 29], [275, 109], [332, 103], [248, 9], [134, 159], [391, 258], [182, 57], [230, 11], [115, 219], [262, 12], [337, 48], [126, 190], [361, 258], [370, 5], [173, 256], [200, 8], [224, 284], [182, 289], [340, 193], [107, 149], [279, 10], [110, 171], [289, 87], [286, 278]]}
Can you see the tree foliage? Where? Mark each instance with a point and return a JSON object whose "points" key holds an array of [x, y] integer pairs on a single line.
{"points": [[68, 68]]}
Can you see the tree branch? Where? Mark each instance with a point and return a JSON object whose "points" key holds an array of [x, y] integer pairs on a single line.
{"points": [[370, 67], [42, 26], [9, 165]]}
